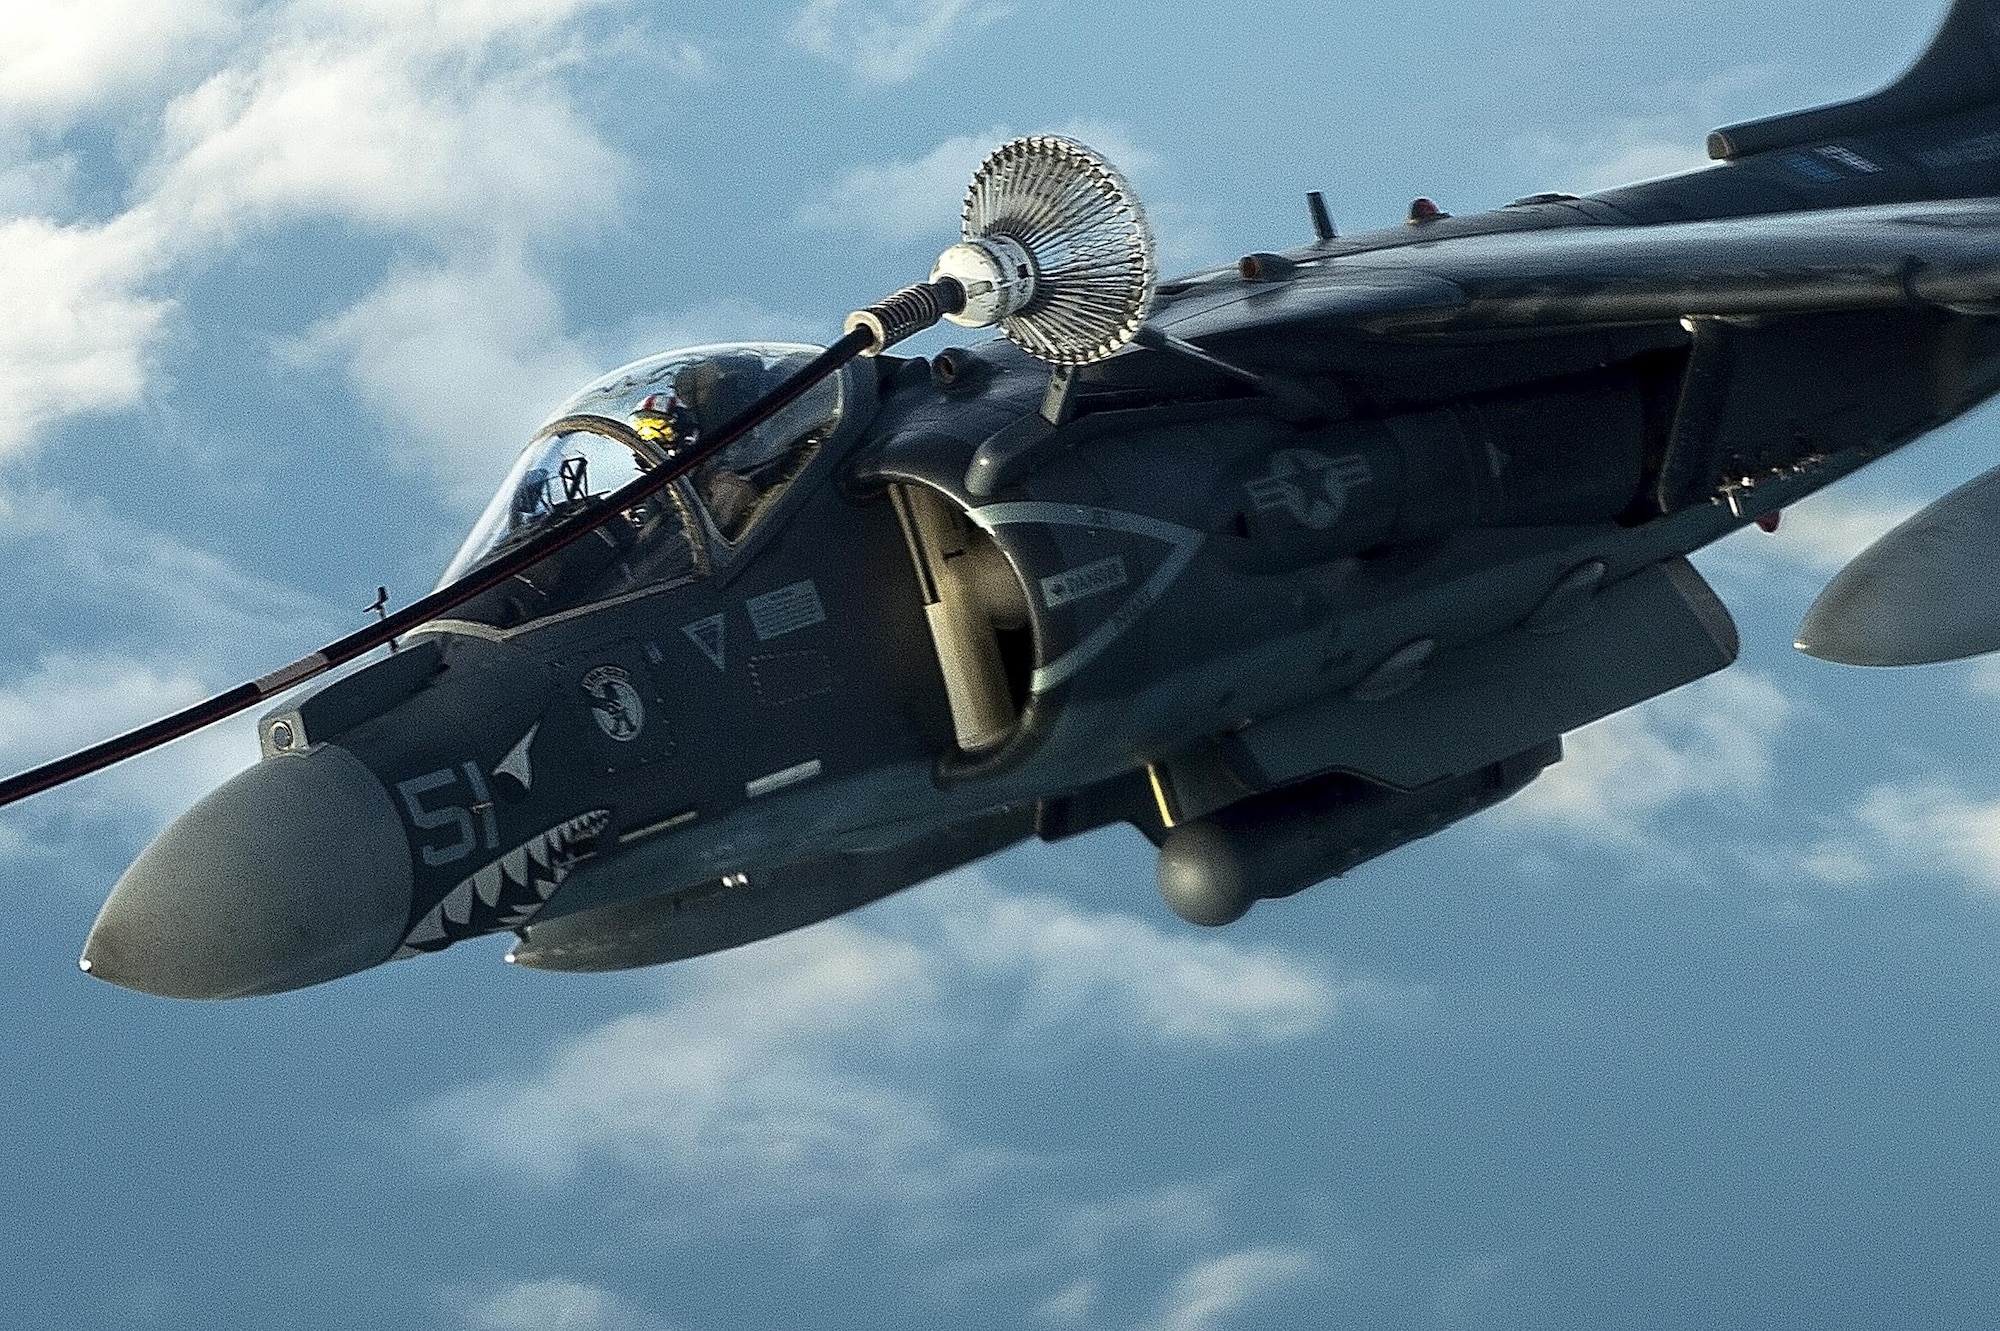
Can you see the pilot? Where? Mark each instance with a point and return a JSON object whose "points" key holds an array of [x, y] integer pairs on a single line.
{"points": [[664, 421], [725, 386], [531, 497]]}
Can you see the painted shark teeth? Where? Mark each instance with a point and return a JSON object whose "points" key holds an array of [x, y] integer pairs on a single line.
{"points": [[488, 883], [510, 891]]}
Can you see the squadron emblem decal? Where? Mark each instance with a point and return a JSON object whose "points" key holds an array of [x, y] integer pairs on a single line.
{"points": [[620, 711]]}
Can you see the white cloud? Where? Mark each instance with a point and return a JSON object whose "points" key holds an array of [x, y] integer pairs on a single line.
{"points": [[1837, 864], [1173, 988], [60, 58], [450, 123], [1215, 1292], [1626, 160], [79, 332], [1711, 742], [103, 581], [804, 1080], [1927, 829], [906, 199], [553, 1305], [1668, 138], [1932, 826], [1818, 536], [910, 199], [384, 134], [1054, 1238], [1631, 150], [34, 186], [451, 25], [1070, 1305], [892, 41], [731, 319], [1823, 533], [67, 702], [743, 1080], [1982, 677], [101, 586], [468, 358], [748, 1072], [448, 126]]}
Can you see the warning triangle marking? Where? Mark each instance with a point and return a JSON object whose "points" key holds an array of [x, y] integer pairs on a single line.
{"points": [[710, 637]]}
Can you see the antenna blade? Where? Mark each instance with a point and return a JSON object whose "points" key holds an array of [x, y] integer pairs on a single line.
{"points": [[1322, 219]]}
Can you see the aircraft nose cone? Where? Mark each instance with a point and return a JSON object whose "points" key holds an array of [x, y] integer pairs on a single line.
{"points": [[294, 872]]}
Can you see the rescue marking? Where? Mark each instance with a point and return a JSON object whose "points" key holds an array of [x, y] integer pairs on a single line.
{"points": [[1312, 487], [1081, 583], [786, 610], [1184, 540], [791, 776], [711, 638], [620, 711]]}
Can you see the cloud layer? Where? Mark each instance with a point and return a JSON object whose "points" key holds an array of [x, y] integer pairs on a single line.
{"points": [[750, 1070], [890, 41], [785, 1084], [1712, 743], [449, 125], [553, 1304]]}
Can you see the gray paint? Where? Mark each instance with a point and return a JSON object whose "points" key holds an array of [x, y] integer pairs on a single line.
{"points": [[1922, 594], [291, 873], [1495, 436]]}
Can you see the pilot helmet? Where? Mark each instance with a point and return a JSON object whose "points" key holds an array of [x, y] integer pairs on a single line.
{"points": [[665, 420]]}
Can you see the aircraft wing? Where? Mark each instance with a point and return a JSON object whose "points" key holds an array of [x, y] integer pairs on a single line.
{"points": [[1945, 255]]}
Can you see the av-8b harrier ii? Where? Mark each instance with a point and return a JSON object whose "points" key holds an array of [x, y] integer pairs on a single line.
{"points": [[1285, 563]]}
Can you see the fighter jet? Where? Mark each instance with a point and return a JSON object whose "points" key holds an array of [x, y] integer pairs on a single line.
{"points": [[1286, 563]]}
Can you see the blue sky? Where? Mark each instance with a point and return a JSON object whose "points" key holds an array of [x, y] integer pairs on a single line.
{"points": [[1696, 1033]]}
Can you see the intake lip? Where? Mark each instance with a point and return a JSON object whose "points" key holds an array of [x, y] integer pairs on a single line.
{"points": [[294, 872]]}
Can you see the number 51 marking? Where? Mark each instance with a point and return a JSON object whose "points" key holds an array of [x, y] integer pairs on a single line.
{"points": [[455, 815]]}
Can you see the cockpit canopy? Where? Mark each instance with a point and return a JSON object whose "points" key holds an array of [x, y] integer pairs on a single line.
{"points": [[590, 448]]}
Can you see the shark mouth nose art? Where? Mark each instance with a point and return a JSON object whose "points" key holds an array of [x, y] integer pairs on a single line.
{"points": [[510, 891]]}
